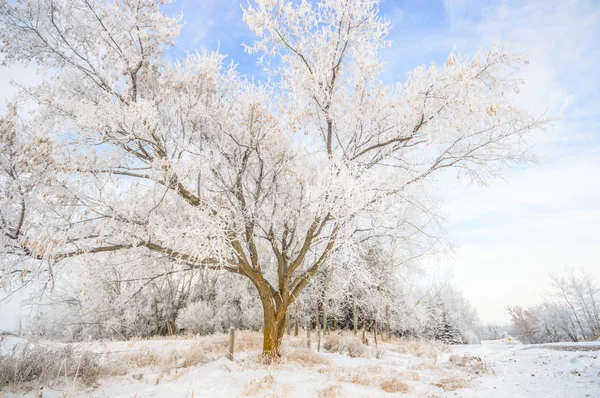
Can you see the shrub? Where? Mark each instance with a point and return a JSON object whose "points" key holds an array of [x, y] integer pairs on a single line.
{"points": [[196, 318], [345, 344], [393, 384]]}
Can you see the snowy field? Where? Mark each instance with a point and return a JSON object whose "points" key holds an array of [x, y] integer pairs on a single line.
{"points": [[198, 368]]}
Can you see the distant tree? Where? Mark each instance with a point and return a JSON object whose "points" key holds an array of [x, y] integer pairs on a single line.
{"points": [[446, 332], [569, 313]]}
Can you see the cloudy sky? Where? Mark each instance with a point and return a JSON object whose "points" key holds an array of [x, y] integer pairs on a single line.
{"points": [[543, 217]]}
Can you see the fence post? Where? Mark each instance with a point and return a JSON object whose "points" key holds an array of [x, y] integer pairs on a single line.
{"points": [[231, 343]]}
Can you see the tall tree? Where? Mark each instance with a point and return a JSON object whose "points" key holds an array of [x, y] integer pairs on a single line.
{"points": [[273, 181]]}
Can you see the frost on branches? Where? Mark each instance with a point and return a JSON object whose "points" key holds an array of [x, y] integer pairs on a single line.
{"points": [[276, 181]]}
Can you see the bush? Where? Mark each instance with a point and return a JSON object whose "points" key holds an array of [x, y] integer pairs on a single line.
{"points": [[393, 384], [344, 344], [197, 318]]}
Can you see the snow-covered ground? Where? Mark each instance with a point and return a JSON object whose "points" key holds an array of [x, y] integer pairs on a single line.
{"points": [[546, 370], [490, 369]]}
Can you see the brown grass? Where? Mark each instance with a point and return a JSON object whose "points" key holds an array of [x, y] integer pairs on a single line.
{"points": [[419, 348], [50, 366], [393, 384], [425, 366], [255, 387], [144, 358], [474, 364], [452, 383], [305, 358], [348, 344], [218, 344], [373, 376], [74, 364], [332, 391], [410, 375], [359, 376]]}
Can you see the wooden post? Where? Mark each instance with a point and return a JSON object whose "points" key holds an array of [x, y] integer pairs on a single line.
{"points": [[231, 343], [308, 334]]}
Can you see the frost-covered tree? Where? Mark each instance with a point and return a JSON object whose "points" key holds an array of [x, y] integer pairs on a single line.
{"points": [[274, 181], [569, 313]]}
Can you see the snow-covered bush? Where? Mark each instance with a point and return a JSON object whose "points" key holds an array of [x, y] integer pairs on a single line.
{"points": [[197, 318]]}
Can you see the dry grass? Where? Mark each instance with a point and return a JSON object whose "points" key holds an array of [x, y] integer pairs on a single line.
{"points": [[50, 366], [74, 364], [305, 358], [474, 364], [393, 384], [410, 375], [192, 356], [255, 387], [332, 391], [419, 348], [297, 341], [347, 344], [373, 376], [218, 344], [360, 376], [427, 365], [452, 383]]}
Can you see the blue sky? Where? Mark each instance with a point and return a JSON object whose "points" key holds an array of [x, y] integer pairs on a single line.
{"points": [[543, 217], [218, 24]]}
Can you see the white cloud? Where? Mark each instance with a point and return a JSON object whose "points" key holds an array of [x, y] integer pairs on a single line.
{"points": [[544, 217]]}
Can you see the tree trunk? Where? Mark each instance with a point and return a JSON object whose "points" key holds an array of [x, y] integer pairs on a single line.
{"points": [[325, 328], [388, 330], [273, 327], [296, 316], [271, 339], [375, 332], [355, 316], [318, 338]]}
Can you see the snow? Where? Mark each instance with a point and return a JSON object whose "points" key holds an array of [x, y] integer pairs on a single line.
{"points": [[512, 370], [536, 370]]}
